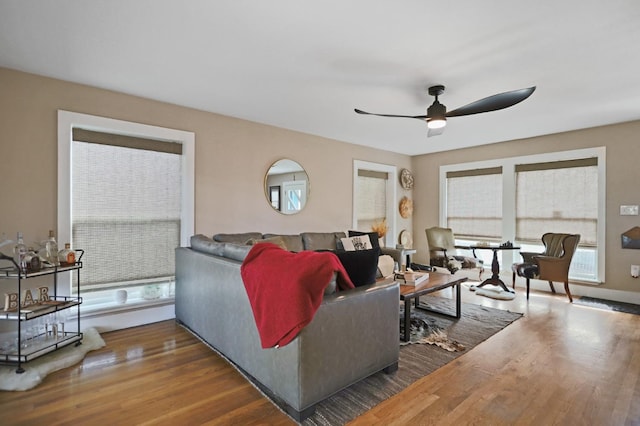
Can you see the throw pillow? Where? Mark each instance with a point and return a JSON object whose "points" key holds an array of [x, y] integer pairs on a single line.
{"points": [[373, 237], [361, 242], [386, 264], [361, 265], [279, 241]]}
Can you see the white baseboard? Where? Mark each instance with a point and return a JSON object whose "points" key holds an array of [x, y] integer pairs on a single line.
{"points": [[580, 290], [110, 321]]}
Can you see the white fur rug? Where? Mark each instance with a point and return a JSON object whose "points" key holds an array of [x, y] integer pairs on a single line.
{"points": [[493, 292], [37, 370]]}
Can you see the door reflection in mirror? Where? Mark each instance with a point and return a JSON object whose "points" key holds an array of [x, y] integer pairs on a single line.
{"points": [[287, 186]]}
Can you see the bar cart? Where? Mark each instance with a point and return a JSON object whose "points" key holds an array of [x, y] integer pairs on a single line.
{"points": [[38, 330]]}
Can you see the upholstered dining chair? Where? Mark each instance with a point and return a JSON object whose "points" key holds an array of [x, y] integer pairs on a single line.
{"points": [[550, 265], [442, 251]]}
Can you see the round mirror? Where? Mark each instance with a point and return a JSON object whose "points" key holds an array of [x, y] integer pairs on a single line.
{"points": [[286, 186]]}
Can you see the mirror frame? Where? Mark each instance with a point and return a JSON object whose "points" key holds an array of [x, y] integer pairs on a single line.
{"points": [[269, 187]]}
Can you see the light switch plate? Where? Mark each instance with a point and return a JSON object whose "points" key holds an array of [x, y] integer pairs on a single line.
{"points": [[629, 210]]}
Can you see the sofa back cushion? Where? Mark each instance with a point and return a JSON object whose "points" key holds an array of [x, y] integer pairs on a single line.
{"points": [[240, 238], [236, 251], [322, 240], [205, 244]]}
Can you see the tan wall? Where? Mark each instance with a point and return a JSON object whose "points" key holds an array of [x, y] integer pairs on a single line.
{"points": [[622, 186], [232, 157]]}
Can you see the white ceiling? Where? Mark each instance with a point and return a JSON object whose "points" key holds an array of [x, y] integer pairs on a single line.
{"points": [[306, 65]]}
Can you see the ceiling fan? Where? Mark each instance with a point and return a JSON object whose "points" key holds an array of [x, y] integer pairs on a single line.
{"points": [[437, 114]]}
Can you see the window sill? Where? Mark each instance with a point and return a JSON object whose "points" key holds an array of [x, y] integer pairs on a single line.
{"points": [[134, 305]]}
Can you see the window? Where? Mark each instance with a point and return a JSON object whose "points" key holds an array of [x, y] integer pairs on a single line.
{"points": [[519, 199], [371, 200], [474, 203], [374, 195], [560, 196], [126, 198]]}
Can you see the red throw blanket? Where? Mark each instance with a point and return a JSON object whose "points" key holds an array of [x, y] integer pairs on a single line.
{"points": [[285, 289]]}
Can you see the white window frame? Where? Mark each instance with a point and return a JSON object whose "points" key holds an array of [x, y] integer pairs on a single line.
{"points": [[509, 196], [391, 195], [68, 120]]}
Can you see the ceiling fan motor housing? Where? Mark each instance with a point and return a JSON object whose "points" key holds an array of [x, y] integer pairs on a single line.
{"points": [[436, 110]]}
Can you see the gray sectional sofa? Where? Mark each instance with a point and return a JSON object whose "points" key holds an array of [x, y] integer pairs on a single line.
{"points": [[353, 334]]}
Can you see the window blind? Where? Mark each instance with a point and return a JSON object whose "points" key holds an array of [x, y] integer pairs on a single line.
{"points": [[557, 196], [371, 199], [126, 204], [474, 203]]}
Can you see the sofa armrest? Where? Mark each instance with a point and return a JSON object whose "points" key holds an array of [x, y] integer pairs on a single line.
{"points": [[355, 333]]}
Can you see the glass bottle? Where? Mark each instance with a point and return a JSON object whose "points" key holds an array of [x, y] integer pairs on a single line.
{"points": [[52, 249], [67, 256], [20, 253], [32, 260]]}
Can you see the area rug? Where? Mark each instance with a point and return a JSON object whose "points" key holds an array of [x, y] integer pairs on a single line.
{"points": [[607, 305], [38, 369]]}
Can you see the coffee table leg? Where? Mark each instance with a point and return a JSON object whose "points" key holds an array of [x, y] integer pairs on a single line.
{"points": [[458, 312], [407, 320]]}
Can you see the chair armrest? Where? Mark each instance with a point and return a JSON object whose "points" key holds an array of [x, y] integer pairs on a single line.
{"points": [[548, 260], [552, 268], [527, 256]]}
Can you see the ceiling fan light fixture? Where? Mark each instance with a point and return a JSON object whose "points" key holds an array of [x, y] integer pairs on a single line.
{"points": [[437, 123], [436, 113]]}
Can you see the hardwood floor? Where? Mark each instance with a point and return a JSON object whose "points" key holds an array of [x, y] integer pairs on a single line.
{"points": [[560, 364]]}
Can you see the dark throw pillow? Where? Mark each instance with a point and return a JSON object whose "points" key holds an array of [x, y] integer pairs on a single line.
{"points": [[361, 265]]}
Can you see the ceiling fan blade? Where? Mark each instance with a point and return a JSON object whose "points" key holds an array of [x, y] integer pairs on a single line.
{"points": [[435, 132], [419, 117], [493, 103]]}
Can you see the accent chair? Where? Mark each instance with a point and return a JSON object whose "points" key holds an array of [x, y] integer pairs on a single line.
{"points": [[550, 265], [442, 252]]}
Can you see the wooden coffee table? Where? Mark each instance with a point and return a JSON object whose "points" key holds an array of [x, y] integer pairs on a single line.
{"points": [[436, 282]]}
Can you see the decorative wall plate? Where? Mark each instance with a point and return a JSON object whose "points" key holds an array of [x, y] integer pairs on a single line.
{"points": [[406, 207], [406, 179]]}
